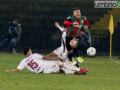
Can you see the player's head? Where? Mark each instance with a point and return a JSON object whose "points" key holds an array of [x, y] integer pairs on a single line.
{"points": [[27, 51], [77, 13]]}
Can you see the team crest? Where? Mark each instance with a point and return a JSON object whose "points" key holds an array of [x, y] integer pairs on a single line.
{"points": [[82, 21]]}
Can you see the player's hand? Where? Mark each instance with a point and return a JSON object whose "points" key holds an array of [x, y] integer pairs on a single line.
{"points": [[75, 23], [85, 27], [8, 70], [57, 24]]}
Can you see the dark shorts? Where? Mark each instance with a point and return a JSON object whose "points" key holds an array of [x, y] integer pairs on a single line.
{"points": [[68, 39]]}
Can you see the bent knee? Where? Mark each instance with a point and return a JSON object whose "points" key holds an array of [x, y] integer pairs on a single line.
{"points": [[52, 54], [73, 43]]}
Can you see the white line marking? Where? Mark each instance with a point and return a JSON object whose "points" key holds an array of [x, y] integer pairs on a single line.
{"points": [[114, 61]]}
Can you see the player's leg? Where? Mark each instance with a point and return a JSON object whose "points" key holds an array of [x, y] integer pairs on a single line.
{"points": [[71, 67], [67, 71], [52, 67], [73, 44], [56, 52], [53, 54], [69, 48]]}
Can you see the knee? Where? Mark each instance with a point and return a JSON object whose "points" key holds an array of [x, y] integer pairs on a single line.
{"points": [[50, 55], [73, 43]]}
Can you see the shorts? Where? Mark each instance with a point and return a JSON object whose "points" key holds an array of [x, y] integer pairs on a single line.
{"points": [[61, 54], [68, 39], [51, 67]]}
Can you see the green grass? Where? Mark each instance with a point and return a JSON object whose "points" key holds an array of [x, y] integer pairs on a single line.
{"points": [[103, 74]]}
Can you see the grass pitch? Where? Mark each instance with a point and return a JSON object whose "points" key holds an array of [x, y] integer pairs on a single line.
{"points": [[103, 74]]}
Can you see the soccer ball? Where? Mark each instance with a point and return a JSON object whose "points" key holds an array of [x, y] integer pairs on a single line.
{"points": [[91, 51]]}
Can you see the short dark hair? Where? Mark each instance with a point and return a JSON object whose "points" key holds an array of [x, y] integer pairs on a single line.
{"points": [[26, 49], [76, 8]]}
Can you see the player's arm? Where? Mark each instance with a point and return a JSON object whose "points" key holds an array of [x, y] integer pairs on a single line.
{"points": [[13, 70], [20, 67], [86, 24], [58, 26], [51, 58], [69, 22]]}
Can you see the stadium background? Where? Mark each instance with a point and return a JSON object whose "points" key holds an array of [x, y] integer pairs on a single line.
{"points": [[38, 17]]}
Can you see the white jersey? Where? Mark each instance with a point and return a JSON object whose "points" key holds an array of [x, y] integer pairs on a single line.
{"points": [[62, 50], [35, 63], [63, 39]]}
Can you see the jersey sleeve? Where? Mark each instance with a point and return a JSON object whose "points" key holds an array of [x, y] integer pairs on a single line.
{"points": [[61, 29], [70, 18], [39, 56], [21, 65], [86, 21]]}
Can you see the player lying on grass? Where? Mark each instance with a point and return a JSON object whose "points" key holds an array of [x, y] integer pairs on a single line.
{"points": [[39, 64], [61, 51]]}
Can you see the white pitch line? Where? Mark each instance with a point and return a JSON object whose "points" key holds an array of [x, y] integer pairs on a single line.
{"points": [[110, 60], [114, 61]]}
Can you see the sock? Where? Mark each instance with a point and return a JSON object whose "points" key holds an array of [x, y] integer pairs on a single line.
{"points": [[70, 56], [70, 67], [74, 63], [75, 50], [67, 71]]}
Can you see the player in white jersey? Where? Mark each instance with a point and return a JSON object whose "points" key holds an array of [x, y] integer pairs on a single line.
{"points": [[61, 51], [38, 64]]}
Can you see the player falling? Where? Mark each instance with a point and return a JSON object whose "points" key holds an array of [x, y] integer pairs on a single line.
{"points": [[74, 26], [61, 51]]}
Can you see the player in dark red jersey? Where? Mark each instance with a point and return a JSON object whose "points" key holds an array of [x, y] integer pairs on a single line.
{"points": [[74, 25]]}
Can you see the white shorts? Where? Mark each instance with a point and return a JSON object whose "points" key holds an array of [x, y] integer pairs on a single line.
{"points": [[61, 54], [51, 67]]}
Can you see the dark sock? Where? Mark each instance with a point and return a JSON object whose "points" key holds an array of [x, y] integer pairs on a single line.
{"points": [[70, 56], [76, 52]]}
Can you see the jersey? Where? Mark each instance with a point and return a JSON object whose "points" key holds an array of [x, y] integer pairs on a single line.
{"points": [[33, 63], [74, 30], [62, 50]]}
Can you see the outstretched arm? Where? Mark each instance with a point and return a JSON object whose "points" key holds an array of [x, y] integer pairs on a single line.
{"points": [[13, 70], [58, 26], [20, 67]]}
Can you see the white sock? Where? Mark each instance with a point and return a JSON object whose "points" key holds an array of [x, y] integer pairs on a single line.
{"points": [[70, 67], [67, 71], [74, 63]]}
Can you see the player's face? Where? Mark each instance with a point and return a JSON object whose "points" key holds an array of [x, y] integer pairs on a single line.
{"points": [[77, 14], [29, 52]]}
